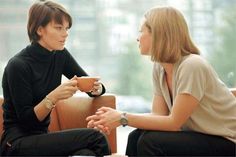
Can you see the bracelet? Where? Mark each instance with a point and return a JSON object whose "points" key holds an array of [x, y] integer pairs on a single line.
{"points": [[48, 103]]}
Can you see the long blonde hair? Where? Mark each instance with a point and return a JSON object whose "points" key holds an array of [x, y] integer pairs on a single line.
{"points": [[170, 35]]}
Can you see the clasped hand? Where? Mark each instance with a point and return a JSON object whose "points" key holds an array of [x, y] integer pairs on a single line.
{"points": [[105, 119]]}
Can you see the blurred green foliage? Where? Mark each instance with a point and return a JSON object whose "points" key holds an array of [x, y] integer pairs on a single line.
{"points": [[135, 73], [223, 57]]}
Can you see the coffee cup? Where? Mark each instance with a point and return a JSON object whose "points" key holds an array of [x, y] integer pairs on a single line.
{"points": [[86, 83]]}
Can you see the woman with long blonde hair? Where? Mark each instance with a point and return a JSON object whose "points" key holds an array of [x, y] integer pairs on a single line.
{"points": [[193, 111]]}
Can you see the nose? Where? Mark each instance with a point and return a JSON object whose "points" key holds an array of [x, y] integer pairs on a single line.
{"points": [[137, 39], [65, 34]]}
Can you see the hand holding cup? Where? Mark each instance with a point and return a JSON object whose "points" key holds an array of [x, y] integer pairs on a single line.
{"points": [[88, 84]]}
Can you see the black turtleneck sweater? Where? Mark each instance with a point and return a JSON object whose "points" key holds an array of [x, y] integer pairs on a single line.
{"points": [[28, 77]]}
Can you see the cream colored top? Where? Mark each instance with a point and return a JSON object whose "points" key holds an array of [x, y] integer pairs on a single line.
{"points": [[216, 113]]}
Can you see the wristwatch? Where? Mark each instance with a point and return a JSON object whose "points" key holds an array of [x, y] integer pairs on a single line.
{"points": [[123, 120], [48, 103]]}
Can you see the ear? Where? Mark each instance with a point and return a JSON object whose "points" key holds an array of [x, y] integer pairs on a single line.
{"points": [[40, 30]]}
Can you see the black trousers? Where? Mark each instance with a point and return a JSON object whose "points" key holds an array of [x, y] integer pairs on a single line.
{"points": [[85, 142], [182, 143]]}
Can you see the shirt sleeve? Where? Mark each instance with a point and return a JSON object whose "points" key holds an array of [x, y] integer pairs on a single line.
{"points": [[20, 89], [72, 68], [192, 78], [156, 79]]}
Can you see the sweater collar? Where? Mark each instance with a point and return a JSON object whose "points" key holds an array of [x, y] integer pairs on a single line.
{"points": [[41, 53]]}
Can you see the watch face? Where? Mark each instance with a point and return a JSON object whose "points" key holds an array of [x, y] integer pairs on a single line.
{"points": [[123, 120]]}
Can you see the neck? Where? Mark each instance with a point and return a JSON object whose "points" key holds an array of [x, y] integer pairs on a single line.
{"points": [[43, 44]]}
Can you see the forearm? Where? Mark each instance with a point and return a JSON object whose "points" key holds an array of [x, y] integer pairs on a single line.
{"points": [[41, 110], [152, 122]]}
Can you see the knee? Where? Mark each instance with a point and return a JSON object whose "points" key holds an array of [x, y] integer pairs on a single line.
{"points": [[99, 141], [144, 141], [97, 134], [147, 145], [134, 135]]}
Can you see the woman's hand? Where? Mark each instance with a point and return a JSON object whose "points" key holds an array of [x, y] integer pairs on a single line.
{"points": [[64, 91], [101, 128], [104, 120], [97, 88]]}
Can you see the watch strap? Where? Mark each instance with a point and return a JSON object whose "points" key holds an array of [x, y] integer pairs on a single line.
{"points": [[124, 119]]}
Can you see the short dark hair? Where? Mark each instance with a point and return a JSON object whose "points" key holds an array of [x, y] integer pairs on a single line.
{"points": [[43, 12]]}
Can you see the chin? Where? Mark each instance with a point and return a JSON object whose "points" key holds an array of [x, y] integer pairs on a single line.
{"points": [[60, 48], [145, 53]]}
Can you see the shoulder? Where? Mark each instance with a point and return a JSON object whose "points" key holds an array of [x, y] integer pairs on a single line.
{"points": [[193, 63], [157, 72], [194, 60], [157, 68], [17, 63]]}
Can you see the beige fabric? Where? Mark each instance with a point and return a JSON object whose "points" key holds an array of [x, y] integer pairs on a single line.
{"points": [[216, 113]]}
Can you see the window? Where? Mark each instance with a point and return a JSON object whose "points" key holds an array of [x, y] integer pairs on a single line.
{"points": [[103, 41]]}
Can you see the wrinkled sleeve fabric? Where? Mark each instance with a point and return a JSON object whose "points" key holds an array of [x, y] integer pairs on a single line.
{"points": [[192, 78], [156, 79], [19, 82]]}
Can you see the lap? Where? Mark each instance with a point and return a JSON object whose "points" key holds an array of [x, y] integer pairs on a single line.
{"points": [[55, 143], [181, 142]]}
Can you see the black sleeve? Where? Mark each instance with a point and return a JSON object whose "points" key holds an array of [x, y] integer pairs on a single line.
{"points": [[20, 91], [72, 68]]}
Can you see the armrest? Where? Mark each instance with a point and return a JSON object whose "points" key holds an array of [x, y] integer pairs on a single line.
{"points": [[233, 90], [73, 112]]}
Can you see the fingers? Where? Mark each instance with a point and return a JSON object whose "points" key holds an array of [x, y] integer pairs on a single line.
{"points": [[99, 112], [97, 83], [96, 92], [98, 78], [93, 117], [90, 124], [72, 82], [97, 120], [107, 130], [104, 109], [71, 86], [97, 88], [103, 129], [74, 78]]}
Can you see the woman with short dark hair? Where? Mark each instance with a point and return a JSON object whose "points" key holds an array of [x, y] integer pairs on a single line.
{"points": [[32, 86]]}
